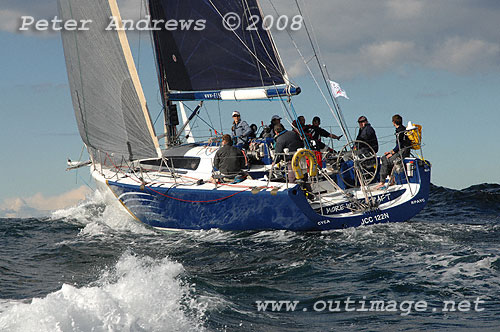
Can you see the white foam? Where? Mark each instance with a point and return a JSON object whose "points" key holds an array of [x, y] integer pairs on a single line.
{"points": [[468, 270], [278, 236], [99, 213], [449, 269], [211, 235], [139, 294]]}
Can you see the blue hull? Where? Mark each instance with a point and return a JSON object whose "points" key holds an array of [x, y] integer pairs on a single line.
{"points": [[174, 208]]}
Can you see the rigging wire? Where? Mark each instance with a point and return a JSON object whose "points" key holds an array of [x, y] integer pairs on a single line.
{"points": [[279, 65], [209, 118], [324, 65], [220, 116], [158, 116], [308, 68], [306, 62], [337, 111], [210, 125]]}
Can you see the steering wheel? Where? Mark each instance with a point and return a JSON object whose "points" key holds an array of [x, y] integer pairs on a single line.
{"points": [[358, 164]]}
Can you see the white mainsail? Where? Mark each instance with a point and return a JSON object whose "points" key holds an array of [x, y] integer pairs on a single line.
{"points": [[108, 100]]}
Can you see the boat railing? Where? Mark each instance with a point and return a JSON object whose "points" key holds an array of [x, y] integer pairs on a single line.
{"points": [[279, 168]]}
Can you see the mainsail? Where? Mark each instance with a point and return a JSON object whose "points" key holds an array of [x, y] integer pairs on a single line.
{"points": [[200, 53], [108, 100]]}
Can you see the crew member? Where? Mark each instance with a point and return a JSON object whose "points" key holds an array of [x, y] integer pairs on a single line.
{"points": [[366, 134], [303, 127], [229, 160], [241, 130], [287, 140], [275, 120], [253, 134], [268, 131], [317, 132], [400, 151]]}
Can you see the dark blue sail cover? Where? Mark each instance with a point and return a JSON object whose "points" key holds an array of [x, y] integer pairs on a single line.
{"points": [[207, 56]]}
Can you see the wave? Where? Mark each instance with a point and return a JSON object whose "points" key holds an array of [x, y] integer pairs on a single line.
{"points": [[138, 294], [100, 214], [475, 204]]}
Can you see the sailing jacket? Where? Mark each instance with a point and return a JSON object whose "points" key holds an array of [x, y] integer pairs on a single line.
{"points": [[229, 160], [290, 140], [402, 142], [367, 135], [241, 130], [316, 133]]}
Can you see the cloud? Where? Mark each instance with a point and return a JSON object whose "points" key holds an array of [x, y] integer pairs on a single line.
{"points": [[40, 205], [13, 10], [359, 37], [405, 9], [384, 54], [462, 55], [10, 20]]}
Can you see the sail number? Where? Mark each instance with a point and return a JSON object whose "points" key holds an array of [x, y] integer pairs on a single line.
{"points": [[372, 219]]}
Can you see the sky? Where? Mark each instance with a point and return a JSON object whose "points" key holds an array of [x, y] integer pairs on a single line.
{"points": [[436, 63]]}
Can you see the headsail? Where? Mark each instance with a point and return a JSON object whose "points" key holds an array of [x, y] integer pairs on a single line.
{"points": [[198, 53], [108, 100]]}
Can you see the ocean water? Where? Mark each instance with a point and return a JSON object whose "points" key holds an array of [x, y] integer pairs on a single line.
{"points": [[92, 268]]}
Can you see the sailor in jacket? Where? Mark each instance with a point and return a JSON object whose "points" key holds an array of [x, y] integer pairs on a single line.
{"points": [[400, 151], [241, 130], [366, 134], [229, 160]]}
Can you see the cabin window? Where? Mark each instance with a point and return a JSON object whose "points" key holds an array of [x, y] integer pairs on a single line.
{"points": [[190, 163]]}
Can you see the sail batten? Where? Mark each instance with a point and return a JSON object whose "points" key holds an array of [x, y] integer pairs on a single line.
{"points": [[214, 57], [108, 100]]}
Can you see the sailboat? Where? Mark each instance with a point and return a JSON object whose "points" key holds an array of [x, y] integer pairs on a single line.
{"points": [[167, 186]]}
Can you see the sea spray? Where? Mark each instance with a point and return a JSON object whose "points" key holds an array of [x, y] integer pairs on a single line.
{"points": [[138, 294], [98, 213]]}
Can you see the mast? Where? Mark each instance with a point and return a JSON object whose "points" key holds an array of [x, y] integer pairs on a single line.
{"points": [[171, 118]]}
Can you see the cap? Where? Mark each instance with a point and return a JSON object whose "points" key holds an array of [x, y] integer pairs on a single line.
{"points": [[235, 113], [276, 117]]}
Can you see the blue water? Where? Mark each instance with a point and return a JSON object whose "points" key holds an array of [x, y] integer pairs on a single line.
{"points": [[92, 268]]}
